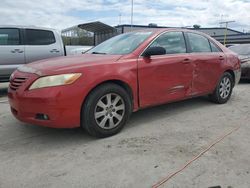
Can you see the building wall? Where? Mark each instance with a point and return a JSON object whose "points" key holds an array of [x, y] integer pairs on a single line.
{"points": [[218, 31], [233, 37], [100, 37], [209, 31]]}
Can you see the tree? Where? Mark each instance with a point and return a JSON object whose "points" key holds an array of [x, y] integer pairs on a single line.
{"points": [[196, 26]]}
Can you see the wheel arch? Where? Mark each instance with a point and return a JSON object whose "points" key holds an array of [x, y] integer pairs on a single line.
{"points": [[121, 83], [233, 75]]}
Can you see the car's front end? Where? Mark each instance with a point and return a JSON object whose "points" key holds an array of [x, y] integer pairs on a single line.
{"points": [[41, 104], [245, 68], [51, 92]]}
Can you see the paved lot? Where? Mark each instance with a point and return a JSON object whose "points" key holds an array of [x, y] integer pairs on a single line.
{"points": [[156, 142]]}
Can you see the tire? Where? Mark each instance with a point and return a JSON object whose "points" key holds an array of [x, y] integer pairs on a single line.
{"points": [[106, 110], [223, 90]]}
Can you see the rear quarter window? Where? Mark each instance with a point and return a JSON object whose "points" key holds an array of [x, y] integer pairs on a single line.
{"points": [[39, 37], [198, 43], [214, 47]]}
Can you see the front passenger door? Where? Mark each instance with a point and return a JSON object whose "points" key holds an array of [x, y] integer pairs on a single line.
{"points": [[168, 77]]}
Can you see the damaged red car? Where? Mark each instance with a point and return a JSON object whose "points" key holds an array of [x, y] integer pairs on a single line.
{"points": [[101, 88]]}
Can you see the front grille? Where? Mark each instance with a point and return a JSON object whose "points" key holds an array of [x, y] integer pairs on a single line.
{"points": [[17, 82]]}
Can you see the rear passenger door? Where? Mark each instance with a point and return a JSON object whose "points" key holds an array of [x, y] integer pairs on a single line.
{"points": [[11, 50], [207, 58], [41, 44]]}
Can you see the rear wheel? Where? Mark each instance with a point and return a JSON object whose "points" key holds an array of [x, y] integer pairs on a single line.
{"points": [[106, 110], [223, 90]]}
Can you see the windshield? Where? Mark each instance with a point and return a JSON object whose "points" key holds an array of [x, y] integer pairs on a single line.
{"points": [[243, 49], [121, 44]]}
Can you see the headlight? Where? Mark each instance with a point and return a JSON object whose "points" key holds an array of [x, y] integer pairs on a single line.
{"points": [[56, 80]]}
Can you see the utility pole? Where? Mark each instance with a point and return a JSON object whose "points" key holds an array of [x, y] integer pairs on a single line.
{"points": [[132, 13], [225, 33], [120, 18], [221, 18]]}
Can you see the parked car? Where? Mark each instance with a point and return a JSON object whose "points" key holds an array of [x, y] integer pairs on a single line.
{"points": [[99, 90], [20, 45], [243, 50]]}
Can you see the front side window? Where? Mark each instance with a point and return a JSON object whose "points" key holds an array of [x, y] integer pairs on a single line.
{"points": [[39, 37], [198, 43], [121, 44], [172, 42], [9, 36]]}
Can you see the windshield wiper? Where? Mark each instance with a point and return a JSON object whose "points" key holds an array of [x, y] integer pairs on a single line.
{"points": [[98, 53]]}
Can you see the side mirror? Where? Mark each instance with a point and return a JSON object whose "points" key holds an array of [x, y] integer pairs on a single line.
{"points": [[157, 50]]}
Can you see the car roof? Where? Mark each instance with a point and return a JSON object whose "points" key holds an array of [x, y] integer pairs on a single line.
{"points": [[162, 30], [26, 27]]}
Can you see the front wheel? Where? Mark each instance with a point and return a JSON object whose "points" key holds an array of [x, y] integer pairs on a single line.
{"points": [[106, 110], [223, 90]]}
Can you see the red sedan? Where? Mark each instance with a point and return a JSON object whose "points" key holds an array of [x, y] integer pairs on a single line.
{"points": [[99, 90]]}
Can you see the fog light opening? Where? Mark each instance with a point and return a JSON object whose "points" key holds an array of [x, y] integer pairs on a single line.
{"points": [[42, 117], [14, 111]]}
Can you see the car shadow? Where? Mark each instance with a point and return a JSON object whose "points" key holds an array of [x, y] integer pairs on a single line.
{"points": [[70, 137], [244, 81], [54, 136], [170, 109]]}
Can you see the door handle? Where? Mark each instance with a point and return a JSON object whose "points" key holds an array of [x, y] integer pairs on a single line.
{"points": [[16, 51], [186, 61], [54, 51], [221, 57]]}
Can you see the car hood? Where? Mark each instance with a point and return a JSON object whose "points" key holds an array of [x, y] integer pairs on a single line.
{"points": [[244, 58], [67, 64]]}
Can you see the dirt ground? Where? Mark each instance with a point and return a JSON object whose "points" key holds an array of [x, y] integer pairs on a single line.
{"points": [[155, 143]]}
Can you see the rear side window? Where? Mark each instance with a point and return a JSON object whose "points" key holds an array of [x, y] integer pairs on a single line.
{"points": [[9, 36], [214, 48], [173, 42], [39, 37], [198, 43]]}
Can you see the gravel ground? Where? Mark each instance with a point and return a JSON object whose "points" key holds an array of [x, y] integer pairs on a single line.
{"points": [[156, 142]]}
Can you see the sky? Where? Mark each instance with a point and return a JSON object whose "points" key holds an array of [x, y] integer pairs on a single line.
{"points": [[60, 14]]}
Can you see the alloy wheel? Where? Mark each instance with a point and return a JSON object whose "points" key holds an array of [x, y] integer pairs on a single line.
{"points": [[109, 111], [225, 87]]}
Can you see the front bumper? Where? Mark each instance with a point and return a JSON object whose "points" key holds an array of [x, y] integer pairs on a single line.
{"points": [[245, 68], [60, 104]]}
